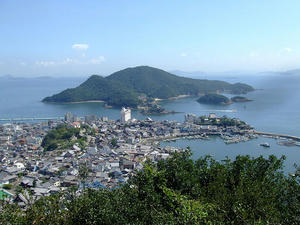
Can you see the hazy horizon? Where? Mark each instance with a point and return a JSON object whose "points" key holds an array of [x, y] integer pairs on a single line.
{"points": [[175, 72]]}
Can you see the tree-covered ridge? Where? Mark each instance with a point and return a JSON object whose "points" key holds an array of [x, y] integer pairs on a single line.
{"points": [[214, 99], [123, 87], [98, 88], [178, 190]]}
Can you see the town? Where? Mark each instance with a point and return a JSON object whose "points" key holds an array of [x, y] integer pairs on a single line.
{"points": [[100, 153]]}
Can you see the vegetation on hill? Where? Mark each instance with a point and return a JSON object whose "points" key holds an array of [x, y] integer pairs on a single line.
{"points": [[214, 99], [178, 190], [223, 121], [240, 99], [62, 137], [124, 87], [240, 88], [98, 88]]}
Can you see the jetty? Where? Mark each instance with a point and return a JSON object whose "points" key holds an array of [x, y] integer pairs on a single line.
{"points": [[277, 135]]}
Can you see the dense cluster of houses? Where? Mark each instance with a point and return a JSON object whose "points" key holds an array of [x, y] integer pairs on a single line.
{"points": [[112, 153]]}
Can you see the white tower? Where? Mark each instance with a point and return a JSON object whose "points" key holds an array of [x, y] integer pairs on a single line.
{"points": [[125, 115]]}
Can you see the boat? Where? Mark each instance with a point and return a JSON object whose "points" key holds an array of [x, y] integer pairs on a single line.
{"points": [[297, 144], [266, 144]]}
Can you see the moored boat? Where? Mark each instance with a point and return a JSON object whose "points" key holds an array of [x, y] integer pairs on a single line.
{"points": [[266, 144]]}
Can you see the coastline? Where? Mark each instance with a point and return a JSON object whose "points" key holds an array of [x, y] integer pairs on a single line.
{"points": [[172, 98]]}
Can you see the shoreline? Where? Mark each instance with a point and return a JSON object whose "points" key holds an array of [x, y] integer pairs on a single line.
{"points": [[172, 98]]}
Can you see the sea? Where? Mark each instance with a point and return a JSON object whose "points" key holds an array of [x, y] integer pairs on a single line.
{"points": [[275, 108]]}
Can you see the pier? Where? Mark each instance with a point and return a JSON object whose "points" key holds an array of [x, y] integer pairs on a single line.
{"points": [[278, 135]]}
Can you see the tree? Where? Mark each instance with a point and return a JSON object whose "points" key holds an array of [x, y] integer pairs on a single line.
{"points": [[114, 142], [7, 186], [83, 173]]}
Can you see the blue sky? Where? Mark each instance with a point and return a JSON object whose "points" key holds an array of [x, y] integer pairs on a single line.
{"points": [[79, 38]]}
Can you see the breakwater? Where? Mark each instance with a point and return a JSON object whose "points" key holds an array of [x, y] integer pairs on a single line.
{"points": [[277, 135]]}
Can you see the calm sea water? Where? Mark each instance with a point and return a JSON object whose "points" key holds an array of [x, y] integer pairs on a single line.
{"points": [[275, 108]]}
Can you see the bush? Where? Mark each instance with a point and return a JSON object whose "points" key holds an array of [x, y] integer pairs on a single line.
{"points": [[7, 186]]}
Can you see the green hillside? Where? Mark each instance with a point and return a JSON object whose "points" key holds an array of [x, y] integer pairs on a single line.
{"points": [[98, 88], [123, 87]]}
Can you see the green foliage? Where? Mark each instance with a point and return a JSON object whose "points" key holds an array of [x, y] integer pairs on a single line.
{"points": [[240, 88], [60, 137], [178, 190], [83, 172], [245, 191], [123, 88], [153, 109], [223, 122], [7, 186], [10, 214], [214, 99], [88, 130], [113, 142]]}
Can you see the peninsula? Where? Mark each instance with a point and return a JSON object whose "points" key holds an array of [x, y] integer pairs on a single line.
{"points": [[138, 86]]}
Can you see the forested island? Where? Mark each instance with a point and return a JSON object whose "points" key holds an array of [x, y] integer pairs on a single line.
{"points": [[217, 99], [133, 87], [214, 99]]}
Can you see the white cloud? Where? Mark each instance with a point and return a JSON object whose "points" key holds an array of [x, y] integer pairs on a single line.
{"points": [[23, 63], [98, 60], [285, 51], [69, 61], [288, 49], [253, 54], [45, 63], [183, 54], [82, 47]]}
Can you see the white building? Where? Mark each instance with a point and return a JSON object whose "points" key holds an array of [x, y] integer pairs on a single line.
{"points": [[125, 115], [69, 117], [90, 118], [212, 116], [190, 118]]}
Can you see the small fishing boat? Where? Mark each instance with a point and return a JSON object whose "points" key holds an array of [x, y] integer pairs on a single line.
{"points": [[266, 144]]}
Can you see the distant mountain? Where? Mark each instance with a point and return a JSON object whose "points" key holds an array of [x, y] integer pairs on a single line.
{"points": [[124, 87]]}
